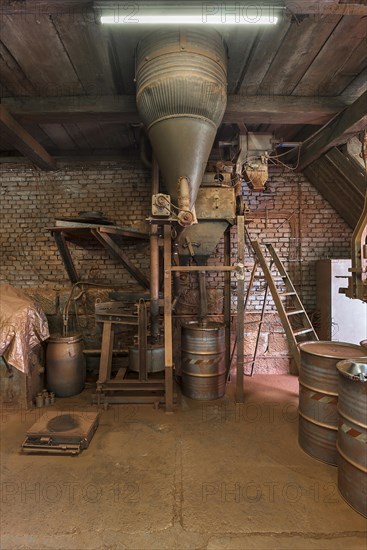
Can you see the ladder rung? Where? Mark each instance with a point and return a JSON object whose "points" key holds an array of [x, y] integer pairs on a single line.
{"points": [[295, 312], [287, 293], [303, 331]]}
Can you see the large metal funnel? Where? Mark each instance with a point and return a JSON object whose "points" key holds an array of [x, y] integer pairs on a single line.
{"points": [[181, 97]]}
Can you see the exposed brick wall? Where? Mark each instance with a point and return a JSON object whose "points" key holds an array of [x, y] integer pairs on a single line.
{"points": [[300, 223]]}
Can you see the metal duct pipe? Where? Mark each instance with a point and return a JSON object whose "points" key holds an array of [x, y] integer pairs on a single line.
{"points": [[181, 96]]}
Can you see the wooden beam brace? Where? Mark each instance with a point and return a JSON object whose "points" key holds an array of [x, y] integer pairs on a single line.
{"points": [[23, 141], [346, 124], [116, 251], [122, 109]]}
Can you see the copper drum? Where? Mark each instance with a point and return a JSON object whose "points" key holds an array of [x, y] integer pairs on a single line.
{"points": [[352, 433], [203, 361], [318, 396], [65, 365]]}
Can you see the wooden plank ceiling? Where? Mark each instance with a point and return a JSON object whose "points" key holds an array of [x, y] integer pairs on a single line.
{"points": [[313, 61]]}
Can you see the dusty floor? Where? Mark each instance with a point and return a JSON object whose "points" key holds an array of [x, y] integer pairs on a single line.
{"points": [[212, 475]]}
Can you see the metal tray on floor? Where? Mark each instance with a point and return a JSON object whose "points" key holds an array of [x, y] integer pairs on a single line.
{"points": [[61, 432]]}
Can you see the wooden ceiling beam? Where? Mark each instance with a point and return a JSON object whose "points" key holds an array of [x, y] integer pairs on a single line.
{"points": [[122, 109], [299, 7], [328, 7], [21, 140], [349, 122]]}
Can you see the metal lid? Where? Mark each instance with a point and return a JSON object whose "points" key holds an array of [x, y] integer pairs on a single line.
{"points": [[354, 370], [209, 325], [60, 339], [337, 350]]}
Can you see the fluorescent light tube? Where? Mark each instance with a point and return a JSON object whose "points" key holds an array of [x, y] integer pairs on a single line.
{"points": [[185, 20], [209, 14]]}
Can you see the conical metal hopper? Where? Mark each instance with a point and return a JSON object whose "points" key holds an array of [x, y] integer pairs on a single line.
{"points": [[181, 97]]}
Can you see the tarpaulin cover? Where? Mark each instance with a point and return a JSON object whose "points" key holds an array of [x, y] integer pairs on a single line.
{"points": [[23, 325]]}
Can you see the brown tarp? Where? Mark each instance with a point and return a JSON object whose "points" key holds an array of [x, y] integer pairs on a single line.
{"points": [[23, 325]]}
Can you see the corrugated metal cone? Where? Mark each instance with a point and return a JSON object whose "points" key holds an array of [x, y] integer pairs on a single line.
{"points": [[181, 97]]}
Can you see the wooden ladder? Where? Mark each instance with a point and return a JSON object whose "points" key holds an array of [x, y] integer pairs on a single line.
{"points": [[296, 323]]}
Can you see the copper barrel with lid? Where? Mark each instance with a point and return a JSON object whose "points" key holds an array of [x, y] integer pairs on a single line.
{"points": [[65, 365], [318, 396], [352, 433], [203, 361]]}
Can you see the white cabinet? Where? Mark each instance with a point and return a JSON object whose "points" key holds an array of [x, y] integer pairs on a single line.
{"points": [[341, 318]]}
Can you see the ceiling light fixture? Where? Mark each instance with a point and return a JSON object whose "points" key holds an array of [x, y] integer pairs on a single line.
{"points": [[207, 13]]}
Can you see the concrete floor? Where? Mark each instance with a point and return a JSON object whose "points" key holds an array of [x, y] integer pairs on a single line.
{"points": [[212, 475]]}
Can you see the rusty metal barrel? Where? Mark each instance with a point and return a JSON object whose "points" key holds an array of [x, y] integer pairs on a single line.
{"points": [[155, 358], [352, 433], [318, 396], [203, 361], [181, 82], [65, 365]]}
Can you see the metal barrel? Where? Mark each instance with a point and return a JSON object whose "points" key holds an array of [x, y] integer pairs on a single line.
{"points": [[352, 433], [203, 361], [318, 396], [155, 358], [181, 81], [65, 365]]}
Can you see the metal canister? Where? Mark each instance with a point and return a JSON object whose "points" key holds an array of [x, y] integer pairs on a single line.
{"points": [[65, 365], [352, 433], [203, 362], [155, 358], [39, 400], [318, 396]]}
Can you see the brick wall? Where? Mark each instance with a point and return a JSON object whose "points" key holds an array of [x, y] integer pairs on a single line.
{"points": [[294, 216]]}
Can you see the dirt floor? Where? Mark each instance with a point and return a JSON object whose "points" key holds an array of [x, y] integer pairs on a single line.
{"points": [[212, 475]]}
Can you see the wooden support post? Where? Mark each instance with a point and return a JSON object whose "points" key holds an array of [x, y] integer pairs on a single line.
{"points": [[168, 356], [227, 299], [106, 353], [240, 309]]}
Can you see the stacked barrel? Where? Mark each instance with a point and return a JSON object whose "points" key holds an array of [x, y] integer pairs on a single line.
{"points": [[352, 433], [333, 413]]}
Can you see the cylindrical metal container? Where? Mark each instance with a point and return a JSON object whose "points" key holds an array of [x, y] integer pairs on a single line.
{"points": [[203, 363], [65, 365], [155, 358], [318, 396], [352, 433], [181, 96]]}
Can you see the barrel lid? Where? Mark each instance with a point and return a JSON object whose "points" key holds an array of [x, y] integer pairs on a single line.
{"points": [[337, 350], [209, 325], [60, 339], [355, 369]]}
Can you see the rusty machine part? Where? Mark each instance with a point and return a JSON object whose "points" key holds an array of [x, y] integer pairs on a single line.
{"points": [[181, 97], [318, 396], [203, 365], [352, 433], [357, 285], [65, 365]]}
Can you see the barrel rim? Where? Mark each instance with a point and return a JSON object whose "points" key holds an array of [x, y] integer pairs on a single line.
{"points": [[210, 326], [60, 339], [302, 348], [346, 363]]}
